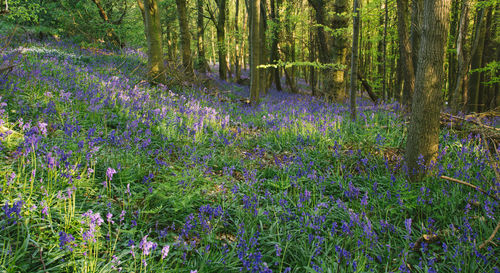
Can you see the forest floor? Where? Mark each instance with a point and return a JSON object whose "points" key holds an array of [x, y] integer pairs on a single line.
{"points": [[101, 172]]}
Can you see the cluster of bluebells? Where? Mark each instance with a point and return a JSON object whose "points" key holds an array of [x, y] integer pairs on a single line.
{"points": [[320, 193]]}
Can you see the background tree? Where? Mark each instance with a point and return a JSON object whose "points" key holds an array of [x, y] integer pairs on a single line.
{"points": [[354, 59], [255, 50], [219, 21], [154, 36], [185, 36]]}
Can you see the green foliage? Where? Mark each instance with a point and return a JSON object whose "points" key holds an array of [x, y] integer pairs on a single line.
{"points": [[491, 69], [24, 11]]}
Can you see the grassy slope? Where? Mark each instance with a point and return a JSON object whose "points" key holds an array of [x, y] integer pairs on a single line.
{"points": [[291, 185]]}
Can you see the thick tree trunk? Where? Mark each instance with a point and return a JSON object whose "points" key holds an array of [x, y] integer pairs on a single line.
{"points": [[340, 22], [155, 53], [255, 44], [416, 30], [323, 50], [423, 132], [185, 36], [405, 50], [354, 59], [201, 61]]}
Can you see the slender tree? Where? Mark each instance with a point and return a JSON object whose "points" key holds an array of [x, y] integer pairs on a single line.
{"points": [[201, 61], [156, 67], [220, 26], [423, 132], [185, 36], [406, 61], [255, 50], [354, 59], [462, 60]]}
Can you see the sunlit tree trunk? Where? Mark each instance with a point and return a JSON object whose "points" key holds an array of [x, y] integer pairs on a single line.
{"points": [[339, 50], [153, 33], [354, 59], [423, 132], [237, 67], [255, 51], [274, 45], [185, 36]]}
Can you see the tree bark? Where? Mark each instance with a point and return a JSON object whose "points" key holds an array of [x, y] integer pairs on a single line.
{"points": [[156, 67], [405, 52], [255, 44], [462, 61], [201, 61], [423, 132], [416, 30], [274, 45], [339, 52], [452, 55], [237, 68], [221, 33], [476, 60], [185, 36], [354, 59]]}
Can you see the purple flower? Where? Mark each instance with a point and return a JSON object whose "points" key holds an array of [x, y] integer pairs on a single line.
{"points": [[408, 225], [109, 217], [64, 239], [164, 251], [147, 246], [110, 172]]}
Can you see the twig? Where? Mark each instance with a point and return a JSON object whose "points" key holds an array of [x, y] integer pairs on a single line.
{"points": [[492, 236], [478, 123], [468, 184]]}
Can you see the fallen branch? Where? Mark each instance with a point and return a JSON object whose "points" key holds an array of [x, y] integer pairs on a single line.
{"points": [[490, 239], [368, 88], [451, 118], [468, 184]]}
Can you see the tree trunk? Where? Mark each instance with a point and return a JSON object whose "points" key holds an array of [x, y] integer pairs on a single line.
{"points": [[185, 36], [263, 53], [201, 61], [354, 59], [340, 21], [416, 30], [462, 61], [221, 33], [423, 132], [452, 60], [486, 91], [237, 68], [255, 51], [476, 60], [323, 50], [153, 32], [274, 45], [405, 52], [384, 81]]}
